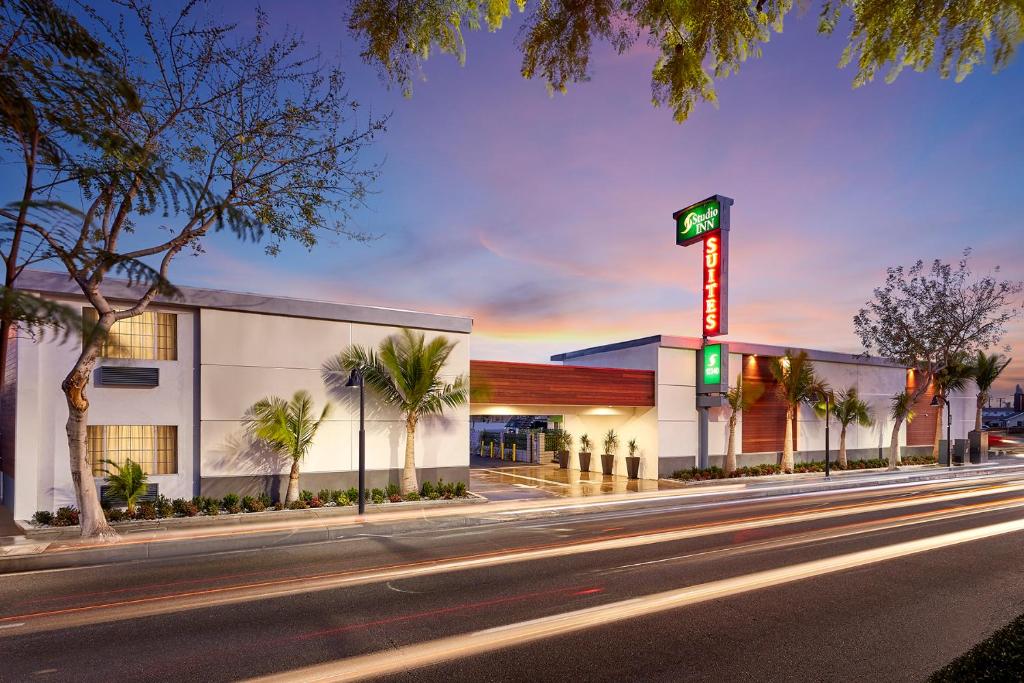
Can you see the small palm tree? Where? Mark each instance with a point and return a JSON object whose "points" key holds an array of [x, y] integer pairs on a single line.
{"points": [[585, 444], [985, 369], [797, 384], [901, 408], [405, 372], [128, 482], [287, 427], [611, 442], [740, 398], [951, 378], [849, 409]]}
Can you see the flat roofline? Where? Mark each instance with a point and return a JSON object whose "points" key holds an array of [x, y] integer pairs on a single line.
{"points": [[59, 284], [745, 348]]}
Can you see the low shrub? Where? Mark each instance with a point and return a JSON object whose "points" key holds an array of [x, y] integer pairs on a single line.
{"points": [[377, 496], [412, 495], [299, 504], [145, 510], [305, 495], [395, 498], [392, 490], [164, 506], [353, 494], [695, 474], [211, 507], [279, 506], [250, 504], [184, 508], [324, 495], [460, 489], [264, 500], [232, 503], [427, 489], [43, 518], [115, 514], [315, 502], [66, 516], [340, 499]]}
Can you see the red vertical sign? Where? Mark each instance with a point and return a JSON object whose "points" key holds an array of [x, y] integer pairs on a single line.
{"points": [[707, 222], [712, 286]]}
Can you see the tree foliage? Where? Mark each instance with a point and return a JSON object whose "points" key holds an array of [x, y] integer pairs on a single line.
{"points": [[127, 481], [697, 41]]}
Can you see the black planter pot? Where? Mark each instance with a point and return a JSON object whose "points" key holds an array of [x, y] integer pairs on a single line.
{"points": [[633, 466], [607, 463], [584, 462], [563, 459]]}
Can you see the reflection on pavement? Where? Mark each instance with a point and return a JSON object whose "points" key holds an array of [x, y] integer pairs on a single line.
{"points": [[546, 481]]}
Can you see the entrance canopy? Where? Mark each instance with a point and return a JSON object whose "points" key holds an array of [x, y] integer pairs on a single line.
{"points": [[504, 388]]}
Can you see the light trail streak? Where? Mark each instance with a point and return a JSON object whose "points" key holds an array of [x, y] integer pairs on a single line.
{"points": [[273, 588], [455, 647]]}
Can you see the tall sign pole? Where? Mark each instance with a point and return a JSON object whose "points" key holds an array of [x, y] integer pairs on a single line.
{"points": [[707, 223]]}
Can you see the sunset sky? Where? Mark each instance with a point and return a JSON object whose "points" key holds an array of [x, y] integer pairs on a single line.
{"points": [[548, 219]]}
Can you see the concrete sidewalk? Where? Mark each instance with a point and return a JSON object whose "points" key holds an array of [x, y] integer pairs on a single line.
{"points": [[25, 554]]}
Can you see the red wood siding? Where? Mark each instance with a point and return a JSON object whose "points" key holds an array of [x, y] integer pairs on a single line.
{"points": [[764, 423], [921, 430], [497, 382]]}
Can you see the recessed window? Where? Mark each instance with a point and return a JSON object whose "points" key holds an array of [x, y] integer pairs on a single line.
{"points": [[147, 336], [154, 447]]}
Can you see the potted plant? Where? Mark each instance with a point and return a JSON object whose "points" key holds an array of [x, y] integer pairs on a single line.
{"points": [[633, 460], [611, 445], [584, 453], [563, 442]]}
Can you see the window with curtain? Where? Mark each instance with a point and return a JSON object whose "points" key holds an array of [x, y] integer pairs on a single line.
{"points": [[147, 336], [153, 447]]}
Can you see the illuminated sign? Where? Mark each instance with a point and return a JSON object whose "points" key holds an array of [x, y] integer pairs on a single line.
{"points": [[713, 370], [713, 318], [694, 222]]}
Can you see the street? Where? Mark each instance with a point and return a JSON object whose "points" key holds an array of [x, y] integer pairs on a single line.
{"points": [[371, 606]]}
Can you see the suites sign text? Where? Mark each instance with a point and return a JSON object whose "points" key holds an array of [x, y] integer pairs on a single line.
{"points": [[707, 222]]}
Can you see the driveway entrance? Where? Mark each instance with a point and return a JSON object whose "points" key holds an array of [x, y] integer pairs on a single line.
{"points": [[525, 482]]}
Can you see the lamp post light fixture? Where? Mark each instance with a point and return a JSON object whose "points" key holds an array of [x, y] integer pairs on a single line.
{"points": [[938, 401], [828, 412], [355, 379]]}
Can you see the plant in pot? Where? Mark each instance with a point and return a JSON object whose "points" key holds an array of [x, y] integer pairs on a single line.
{"points": [[633, 460], [562, 444], [611, 445], [584, 453]]}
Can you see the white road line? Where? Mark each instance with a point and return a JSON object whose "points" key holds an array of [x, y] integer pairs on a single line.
{"points": [[488, 640]]}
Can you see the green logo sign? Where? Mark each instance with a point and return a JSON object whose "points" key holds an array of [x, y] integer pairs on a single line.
{"points": [[697, 220], [712, 364]]}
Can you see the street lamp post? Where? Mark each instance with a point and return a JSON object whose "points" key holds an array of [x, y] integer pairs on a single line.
{"points": [[939, 401], [355, 379], [828, 411]]}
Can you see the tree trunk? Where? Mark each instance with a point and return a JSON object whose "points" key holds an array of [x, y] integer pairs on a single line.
{"points": [[894, 445], [293, 483], [938, 431], [787, 443], [730, 450], [93, 521], [982, 397], [842, 447], [409, 483]]}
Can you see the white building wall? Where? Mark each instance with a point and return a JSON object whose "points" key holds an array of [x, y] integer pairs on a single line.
{"points": [[43, 470]]}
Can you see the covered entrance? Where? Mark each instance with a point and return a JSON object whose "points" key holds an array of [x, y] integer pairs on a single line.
{"points": [[516, 406]]}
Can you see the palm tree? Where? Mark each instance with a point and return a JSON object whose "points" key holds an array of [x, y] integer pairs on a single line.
{"points": [[740, 398], [797, 383], [985, 370], [129, 482], [405, 372], [953, 377], [901, 409], [849, 409], [288, 427]]}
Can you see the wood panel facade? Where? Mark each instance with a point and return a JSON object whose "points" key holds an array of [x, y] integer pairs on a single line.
{"points": [[764, 423], [501, 383], [921, 430]]}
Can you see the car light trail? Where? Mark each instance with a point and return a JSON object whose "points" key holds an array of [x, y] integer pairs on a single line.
{"points": [[273, 588], [479, 642]]}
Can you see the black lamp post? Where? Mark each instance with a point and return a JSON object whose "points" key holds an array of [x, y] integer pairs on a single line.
{"points": [[938, 401], [828, 412], [355, 379]]}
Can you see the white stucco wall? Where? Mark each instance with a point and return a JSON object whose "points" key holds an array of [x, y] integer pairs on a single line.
{"points": [[43, 471], [248, 356]]}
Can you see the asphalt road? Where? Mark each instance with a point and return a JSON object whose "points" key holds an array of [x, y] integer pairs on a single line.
{"points": [[885, 584]]}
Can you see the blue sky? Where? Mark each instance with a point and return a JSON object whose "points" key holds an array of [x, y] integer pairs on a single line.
{"points": [[548, 219]]}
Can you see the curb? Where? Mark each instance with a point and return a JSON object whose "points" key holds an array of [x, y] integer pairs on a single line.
{"points": [[331, 532]]}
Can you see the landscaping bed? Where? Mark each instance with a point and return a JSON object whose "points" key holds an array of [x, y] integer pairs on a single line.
{"points": [[202, 509], [695, 474], [998, 658]]}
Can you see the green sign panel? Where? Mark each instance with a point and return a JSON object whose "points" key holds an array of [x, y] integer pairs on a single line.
{"points": [[712, 370], [694, 222]]}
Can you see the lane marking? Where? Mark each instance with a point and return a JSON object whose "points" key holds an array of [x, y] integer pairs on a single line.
{"points": [[457, 647]]}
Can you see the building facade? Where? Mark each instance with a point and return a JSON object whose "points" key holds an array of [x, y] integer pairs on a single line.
{"points": [[174, 384]]}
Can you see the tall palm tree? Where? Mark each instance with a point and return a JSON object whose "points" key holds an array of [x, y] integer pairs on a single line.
{"points": [[951, 378], [405, 372], [901, 408], [849, 409], [740, 398], [128, 482], [288, 427], [797, 383], [985, 370]]}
